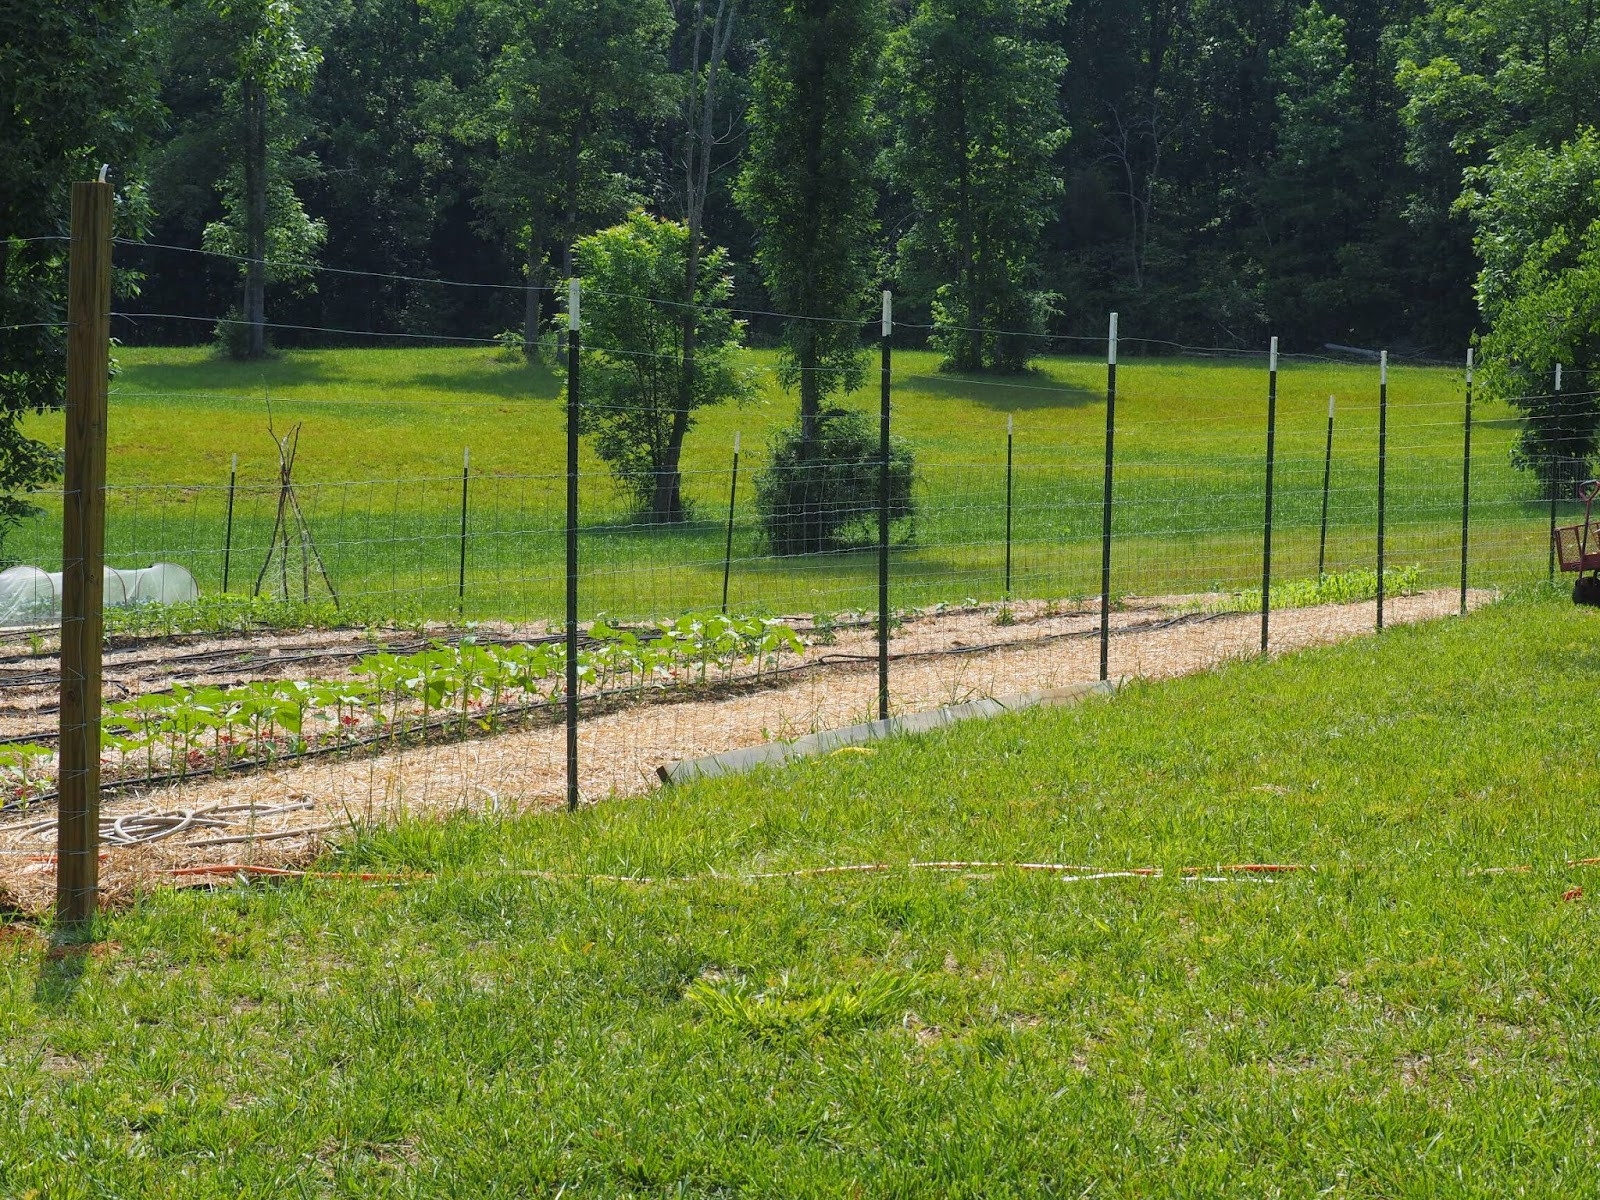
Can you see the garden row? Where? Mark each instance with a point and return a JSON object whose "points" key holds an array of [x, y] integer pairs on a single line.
{"points": [[391, 698]]}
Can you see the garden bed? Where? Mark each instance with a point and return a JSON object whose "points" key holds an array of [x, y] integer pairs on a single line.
{"points": [[282, 814]]}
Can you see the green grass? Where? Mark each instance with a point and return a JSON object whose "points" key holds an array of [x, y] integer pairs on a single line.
{"points": [[1394, 1024], [380, 455]]}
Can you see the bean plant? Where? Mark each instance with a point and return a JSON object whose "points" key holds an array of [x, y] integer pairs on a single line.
{"points": [[401, 697]]}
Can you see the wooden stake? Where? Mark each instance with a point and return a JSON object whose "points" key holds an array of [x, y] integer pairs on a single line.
{"points": [[83, 553]]}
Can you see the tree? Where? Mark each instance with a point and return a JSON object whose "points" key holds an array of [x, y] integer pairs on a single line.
{"points": [[1476, 77], [264, 60], [1324, 219], [78, 93], [1538, 219], [395, 190], [709, 37], [566, 82], [973, 95], [807, 187], [1501, 109], [633, 402]]}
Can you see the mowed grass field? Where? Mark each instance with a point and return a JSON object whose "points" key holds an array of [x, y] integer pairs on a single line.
{"points": [[380, 455], [1413, 1017]]}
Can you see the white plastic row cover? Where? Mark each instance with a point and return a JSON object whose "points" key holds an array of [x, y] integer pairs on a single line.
{"points": [[29, 596]]}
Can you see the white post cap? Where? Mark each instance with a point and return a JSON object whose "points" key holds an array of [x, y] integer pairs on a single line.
{"points": [[1111, 343], [888, 312], [572, 304], [1272, 357]]}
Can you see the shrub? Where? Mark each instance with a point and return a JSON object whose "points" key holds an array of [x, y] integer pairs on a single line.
{"points": [[828, 500], [635, 405]]}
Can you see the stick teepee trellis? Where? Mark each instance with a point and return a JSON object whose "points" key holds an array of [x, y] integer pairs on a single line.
{"points": [[290, 512]]}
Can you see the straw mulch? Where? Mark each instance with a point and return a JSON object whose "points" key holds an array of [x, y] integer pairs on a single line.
{"points": [[286, 815]]}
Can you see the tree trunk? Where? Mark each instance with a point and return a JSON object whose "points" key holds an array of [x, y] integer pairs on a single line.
{"points": [[810, 398], [255, 218], [530, 303], [569, 225], [667, 504]]}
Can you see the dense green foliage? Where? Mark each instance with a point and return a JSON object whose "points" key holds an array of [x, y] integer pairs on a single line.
{"points": [[971, 95], [819, 490], [1539, 222], [1502, 102], [74, 94], [806, 188], [1396, 1023], [1330, 171], [1236, 167], [560, 86], [633, 402]]}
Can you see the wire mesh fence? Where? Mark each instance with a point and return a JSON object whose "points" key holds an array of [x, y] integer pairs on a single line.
{"points": [[1187, 517], [715, 629]]}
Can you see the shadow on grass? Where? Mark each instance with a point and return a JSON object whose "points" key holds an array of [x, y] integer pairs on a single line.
{"points": [[1025, 392], [509, 381], [62, 968], [218, 375]]}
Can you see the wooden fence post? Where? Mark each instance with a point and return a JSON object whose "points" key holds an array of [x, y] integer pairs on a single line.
{"points": [[83, 554]]}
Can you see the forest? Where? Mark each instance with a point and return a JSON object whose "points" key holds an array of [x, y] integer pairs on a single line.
{"points": [[1415, 175]]}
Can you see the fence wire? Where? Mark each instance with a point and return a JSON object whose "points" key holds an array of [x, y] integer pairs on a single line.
{"points": [[994, 564]]}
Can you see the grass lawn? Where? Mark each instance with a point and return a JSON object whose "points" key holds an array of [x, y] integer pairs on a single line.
{"points": [[1394, 1024], [384, 431]]}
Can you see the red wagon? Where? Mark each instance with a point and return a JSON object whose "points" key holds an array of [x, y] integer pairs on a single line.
{"points": [[1578, 548]]}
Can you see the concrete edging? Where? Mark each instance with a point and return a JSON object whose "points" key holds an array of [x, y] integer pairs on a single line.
{"points": [[733, 762]]}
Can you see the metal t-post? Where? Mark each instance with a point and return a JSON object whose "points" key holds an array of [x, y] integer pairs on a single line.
{"points": [[573, 345], [227, 537], [1327, 478], [883, 512], [1555, 478], [1466, 481], [1008, 505], [1272, 450], [1105, 505], [1383, 465], [733, 496]]}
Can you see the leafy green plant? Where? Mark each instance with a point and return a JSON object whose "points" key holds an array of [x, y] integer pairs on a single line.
{"points": [[783, 1007], [1347, 587], [229, 613], [398, 695], [18, 776], [821, 494]]}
